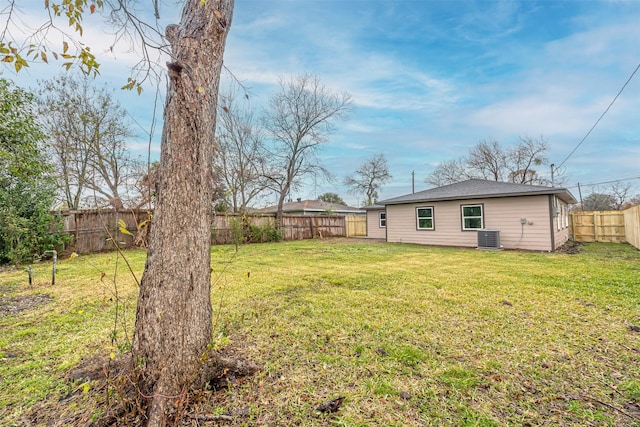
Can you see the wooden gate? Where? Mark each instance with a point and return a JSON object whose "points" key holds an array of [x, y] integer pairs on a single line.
{"points": [[598, 226], [356, 226], [632, 225]]}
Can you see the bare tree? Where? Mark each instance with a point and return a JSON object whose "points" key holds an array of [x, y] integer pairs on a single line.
{"points": [[448, 172], [488, 160], [299, 119], [522, 160], [146, 179], [621, 193], [241, 152], [173, 321], [598, 201], [88, 131], [369, 178], [633, 201]]}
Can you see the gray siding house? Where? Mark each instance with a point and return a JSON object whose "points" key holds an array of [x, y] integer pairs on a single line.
{"points": [[521, 216]]}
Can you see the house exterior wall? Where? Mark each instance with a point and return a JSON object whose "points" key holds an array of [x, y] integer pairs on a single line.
{"points": [[560, 222], [502, 214], [374, 230]]}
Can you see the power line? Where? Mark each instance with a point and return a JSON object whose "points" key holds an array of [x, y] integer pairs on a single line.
{"points": [[601, 116], [604, 182]]}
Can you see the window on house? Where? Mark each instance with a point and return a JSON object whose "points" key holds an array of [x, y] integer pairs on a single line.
{"points": [[424, 218], [472, 217], [559, 215], [382, 219]]}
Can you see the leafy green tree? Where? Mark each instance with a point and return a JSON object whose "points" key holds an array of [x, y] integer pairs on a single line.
{"points": [[332, 198], [27, 191]]}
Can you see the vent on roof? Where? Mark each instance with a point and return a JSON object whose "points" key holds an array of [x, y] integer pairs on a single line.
{"points": [[488, 239]]}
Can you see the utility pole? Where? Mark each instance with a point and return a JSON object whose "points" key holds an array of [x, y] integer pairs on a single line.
{"points": [[552, 170], [580, 193], [413, 182]]}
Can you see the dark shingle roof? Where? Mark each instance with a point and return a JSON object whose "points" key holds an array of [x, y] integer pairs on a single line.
{"points": [[313, 206], [478, 189]]}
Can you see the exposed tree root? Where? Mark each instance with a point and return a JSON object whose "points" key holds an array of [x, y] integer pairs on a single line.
{"points": [[113, 383]]}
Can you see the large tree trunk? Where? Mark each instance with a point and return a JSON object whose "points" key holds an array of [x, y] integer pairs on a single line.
{"points": [[173, 320]]}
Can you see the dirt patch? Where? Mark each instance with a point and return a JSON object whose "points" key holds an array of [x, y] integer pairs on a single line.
{"points": [[570, 248], [15, 305]]}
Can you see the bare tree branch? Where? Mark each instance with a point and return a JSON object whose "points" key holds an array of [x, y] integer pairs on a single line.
{"points": [[369, 177], [300, 118]]}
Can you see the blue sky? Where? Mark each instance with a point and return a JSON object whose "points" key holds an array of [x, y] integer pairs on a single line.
{"points": [[430, 79]]}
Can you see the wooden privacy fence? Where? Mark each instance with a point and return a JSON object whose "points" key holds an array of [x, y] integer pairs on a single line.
{"points": [[97, 230], [598, 226], [356, 226], [607, 226], [632, 225], [298, 227]]}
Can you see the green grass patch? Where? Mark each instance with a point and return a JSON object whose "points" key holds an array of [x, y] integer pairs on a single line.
{"points": [[410, 335]]}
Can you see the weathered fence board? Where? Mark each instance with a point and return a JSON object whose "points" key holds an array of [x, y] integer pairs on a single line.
{"points": [[298, 227], [632, 225], [356, 226], [96, 230], [598, 226]]}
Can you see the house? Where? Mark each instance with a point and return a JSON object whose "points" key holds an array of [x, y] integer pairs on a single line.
{"points": [[376, 221], [313, 207], [476, 213]]}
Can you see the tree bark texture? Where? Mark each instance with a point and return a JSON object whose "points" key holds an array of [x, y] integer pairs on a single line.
{"points": [[173, 319]]}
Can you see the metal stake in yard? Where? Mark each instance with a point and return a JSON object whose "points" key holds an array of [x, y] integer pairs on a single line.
{"points": [[53, 268], [30, 273]]}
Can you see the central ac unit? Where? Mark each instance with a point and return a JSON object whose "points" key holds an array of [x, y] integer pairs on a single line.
{"points": [[488, 239]]}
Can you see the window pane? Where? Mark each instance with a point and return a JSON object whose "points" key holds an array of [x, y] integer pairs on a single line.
{"points": [[425, 223], [472, 210], [473, 223], [424, 212]]}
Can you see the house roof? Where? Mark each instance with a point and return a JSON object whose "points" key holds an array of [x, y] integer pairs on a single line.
{"points": [[313, 206], [375, 207], [478, 189]]}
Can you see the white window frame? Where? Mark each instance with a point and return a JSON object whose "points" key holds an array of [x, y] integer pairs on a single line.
{"points": [[382, 220], [559, 217], [463, 217], [432, 218]]}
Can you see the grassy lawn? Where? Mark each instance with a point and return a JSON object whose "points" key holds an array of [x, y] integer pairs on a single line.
{"points": [[409, 335]]}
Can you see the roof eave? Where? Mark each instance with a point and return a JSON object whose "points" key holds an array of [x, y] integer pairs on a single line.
{"points": [[558, 191]]}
